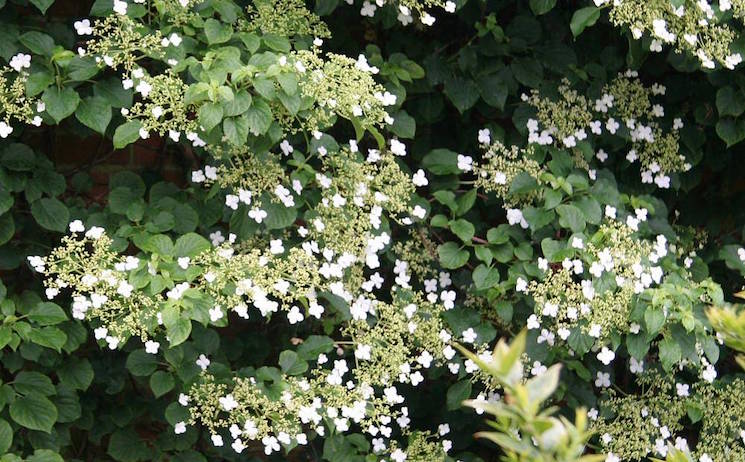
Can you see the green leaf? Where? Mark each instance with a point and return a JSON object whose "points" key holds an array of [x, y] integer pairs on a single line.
{"points": [[730, 101], [191, 245], [120, 198], [161, 382], [18, 157], [51, 214], [485, 277], [463, 229], [404, 126], [670, 353], [76, 373], [654, 318], [95, 113], [571, 217], [527, 71], [60, 103], [45, 455], [291, 363], [452, 256], [731, 131], [236, 130], [210, 114], [50, 337], [6, 436], [42, 5], [278, 216], [493, 90], [47, 314], [217, 32], [583, 18], [314, 346], [26, 382], [178, 331], [457, 393], [141, 364], [38, 81], [259, 117], [127, 133], [463, 93], [441, 162], [34, 411], [38, 43], [540, 7]]}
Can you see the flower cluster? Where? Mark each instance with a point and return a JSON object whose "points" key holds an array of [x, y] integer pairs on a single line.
{"points": [[285, 18], [340, 86], [657, 419], [696, 27], [499, 168], [625, 108], [15, 106]]}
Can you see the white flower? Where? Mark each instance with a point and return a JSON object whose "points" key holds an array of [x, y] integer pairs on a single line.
{"points": [[606, 356], [20, 61], [427, 19], [398, 148], [174, 39], [465, 163], [203, 362], [636, 367], [538, 368], [602, 379], [144, 88], [151, 347], [215, 314], [216, 440], [179, 428], [450, 6], [484, 136], [120, 7], [419, 179], [294, 315], [363, 352], [76, 226], [5, 129], [682, 389], [83, 27], [228, 402], [183, 262]]}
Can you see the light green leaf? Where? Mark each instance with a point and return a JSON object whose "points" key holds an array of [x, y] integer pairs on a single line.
{"points": [[463, 229], [452, 256], [127, 133], [217, 32], [191, 245], [210, 114], [583, 18]]}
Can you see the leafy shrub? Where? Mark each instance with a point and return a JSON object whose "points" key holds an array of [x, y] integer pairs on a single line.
{"points": [[281, 230]]}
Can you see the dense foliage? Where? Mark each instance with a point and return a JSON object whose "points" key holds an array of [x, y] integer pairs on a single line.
{"points": [[286, 230]]}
